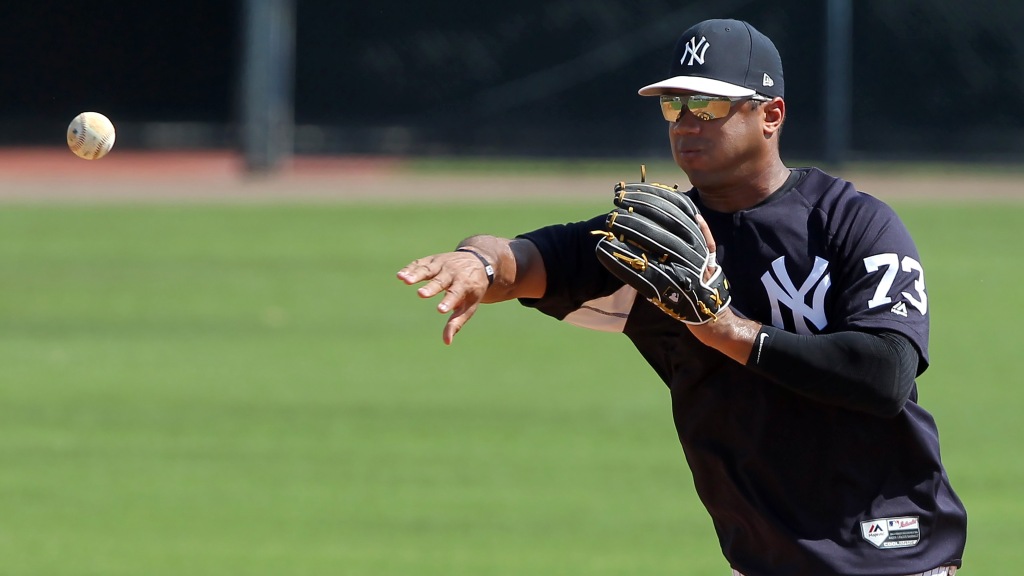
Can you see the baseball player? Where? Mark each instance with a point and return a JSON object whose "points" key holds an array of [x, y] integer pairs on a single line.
{"points": [[786, 311]]}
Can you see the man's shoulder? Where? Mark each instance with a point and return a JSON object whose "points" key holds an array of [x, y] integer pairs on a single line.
{"points": [[817, 185], [830, 193]]}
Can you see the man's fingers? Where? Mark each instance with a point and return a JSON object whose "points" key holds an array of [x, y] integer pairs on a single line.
{"points": [[706, 231], [437, 284], [419, 270], [431, 269], [452, 299], [710, 241], [456, 321]]}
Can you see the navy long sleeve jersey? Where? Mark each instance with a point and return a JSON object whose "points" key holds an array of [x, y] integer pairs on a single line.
{"points": [[793, 486]]}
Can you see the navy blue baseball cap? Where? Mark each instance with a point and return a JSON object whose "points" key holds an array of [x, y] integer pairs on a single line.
{"points": [[723, 58]]}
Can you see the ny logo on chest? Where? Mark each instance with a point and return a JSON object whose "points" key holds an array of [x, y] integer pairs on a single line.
{"points": [[782, 291]]}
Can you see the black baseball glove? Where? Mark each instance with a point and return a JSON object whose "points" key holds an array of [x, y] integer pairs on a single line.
{"points": [[654, 244]]}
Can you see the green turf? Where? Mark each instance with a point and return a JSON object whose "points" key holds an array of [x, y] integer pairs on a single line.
{"points": [[249, 390]]}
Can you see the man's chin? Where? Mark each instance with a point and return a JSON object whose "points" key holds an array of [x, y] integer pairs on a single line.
{"points": [[691, 163]]}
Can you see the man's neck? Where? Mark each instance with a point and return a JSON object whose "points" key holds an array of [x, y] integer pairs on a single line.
{"points": [[746, 193]]}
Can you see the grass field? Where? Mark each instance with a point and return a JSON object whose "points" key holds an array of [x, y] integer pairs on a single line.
{"points": [[221, 390]]}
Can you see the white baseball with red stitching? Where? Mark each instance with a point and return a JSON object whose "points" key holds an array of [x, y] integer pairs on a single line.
{"points": [[90, 135]]}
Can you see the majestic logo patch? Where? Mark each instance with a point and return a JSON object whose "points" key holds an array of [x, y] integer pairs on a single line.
{"points": [[782, 290], [888, 533], [695, 50], [899, 309]]}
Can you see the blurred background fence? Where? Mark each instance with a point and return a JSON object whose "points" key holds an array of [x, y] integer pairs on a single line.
{"points": [[928, 79]]}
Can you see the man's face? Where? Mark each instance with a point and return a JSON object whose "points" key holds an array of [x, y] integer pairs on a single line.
{"points": [[711, 151]]}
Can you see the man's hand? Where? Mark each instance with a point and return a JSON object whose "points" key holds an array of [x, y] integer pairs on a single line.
{"points": [[460, 275], [517, 272]]}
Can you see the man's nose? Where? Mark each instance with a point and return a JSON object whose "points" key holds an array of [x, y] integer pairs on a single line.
{"points": [[687, 123]]}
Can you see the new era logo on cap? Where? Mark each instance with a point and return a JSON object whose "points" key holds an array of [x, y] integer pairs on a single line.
{"points": [[723, 58]]}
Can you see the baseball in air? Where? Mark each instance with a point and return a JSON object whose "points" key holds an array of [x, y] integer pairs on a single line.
{"points": [[90, 135]]}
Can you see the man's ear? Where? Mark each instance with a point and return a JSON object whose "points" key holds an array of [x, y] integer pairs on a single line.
{"points": [[774, 114]]}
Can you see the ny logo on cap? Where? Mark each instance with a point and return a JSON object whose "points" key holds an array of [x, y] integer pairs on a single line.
{"points": [[692, 48]]}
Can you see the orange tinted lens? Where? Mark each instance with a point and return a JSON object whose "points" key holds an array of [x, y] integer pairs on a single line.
{"points": [[671, 106], [707, 109], [703, 107]]}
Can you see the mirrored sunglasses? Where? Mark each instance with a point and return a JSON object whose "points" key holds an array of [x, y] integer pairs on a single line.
{"points": [[702, 106]]}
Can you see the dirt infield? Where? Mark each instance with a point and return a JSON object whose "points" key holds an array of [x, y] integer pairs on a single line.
{"points": [[55, 175]]}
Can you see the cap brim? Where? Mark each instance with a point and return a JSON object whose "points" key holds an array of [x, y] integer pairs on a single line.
{"points": [[696, 84]]}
